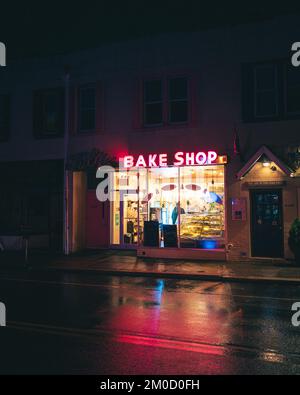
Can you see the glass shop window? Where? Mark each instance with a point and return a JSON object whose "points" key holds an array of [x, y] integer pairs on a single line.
{"points": [[184, 206], [202, 206]]}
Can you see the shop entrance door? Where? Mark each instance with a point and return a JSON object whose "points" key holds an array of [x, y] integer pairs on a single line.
{"points": [[129, 218], [266, 223]]}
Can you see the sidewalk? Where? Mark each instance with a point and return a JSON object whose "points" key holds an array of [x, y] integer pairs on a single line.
{"points": [[125, 263]]}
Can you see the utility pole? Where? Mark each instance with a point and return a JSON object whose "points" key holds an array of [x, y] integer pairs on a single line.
{"points": [[66, 154]]}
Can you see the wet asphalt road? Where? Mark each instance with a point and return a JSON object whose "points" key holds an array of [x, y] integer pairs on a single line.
{"points": [[88, 324]]}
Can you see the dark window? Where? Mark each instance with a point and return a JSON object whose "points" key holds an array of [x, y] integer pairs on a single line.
{"points": [[270, 91], [48, 113], [11, 204], [51, 112], [153, 103], [265, 87], [4, 117], [292, 80], [178, 100], [87, 109]]}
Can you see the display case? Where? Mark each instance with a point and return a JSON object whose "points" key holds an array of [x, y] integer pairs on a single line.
{"points": [[192, 198], [209, 225]]}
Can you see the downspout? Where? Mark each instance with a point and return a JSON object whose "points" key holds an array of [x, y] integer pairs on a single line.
{"points": [[66, 176]]}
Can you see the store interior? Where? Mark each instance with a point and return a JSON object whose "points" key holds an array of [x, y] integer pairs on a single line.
{"points": [[169, 207]]}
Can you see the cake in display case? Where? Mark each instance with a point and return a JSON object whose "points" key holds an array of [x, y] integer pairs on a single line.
{"points": [[198, 227]]}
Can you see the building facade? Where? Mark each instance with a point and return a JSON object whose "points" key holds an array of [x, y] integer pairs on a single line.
{"points": [[202, 129]]}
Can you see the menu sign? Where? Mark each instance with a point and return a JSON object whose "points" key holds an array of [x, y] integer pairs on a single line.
{"points": [[239, 207], [170, 235]]}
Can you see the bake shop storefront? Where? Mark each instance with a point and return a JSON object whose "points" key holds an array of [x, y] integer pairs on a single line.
{"points": [[170, 206]]}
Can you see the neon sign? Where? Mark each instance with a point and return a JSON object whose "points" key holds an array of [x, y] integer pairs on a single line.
{"points": [[179, 159]]}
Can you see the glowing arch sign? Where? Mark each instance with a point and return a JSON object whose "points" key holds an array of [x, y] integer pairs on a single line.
{"points": [[179, 159]]}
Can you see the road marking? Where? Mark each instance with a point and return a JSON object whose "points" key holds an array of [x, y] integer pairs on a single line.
{"points": [[57, 283], [267, 355], [212, 287], [125, 285]]}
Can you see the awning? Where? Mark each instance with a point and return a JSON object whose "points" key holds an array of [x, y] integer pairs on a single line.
{"points": [[264, 152]]}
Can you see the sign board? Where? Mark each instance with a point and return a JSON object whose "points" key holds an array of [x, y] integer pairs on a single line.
{"points": [[258, 184], [199, 158], [151, 234], [239, 209], [170, 235]]}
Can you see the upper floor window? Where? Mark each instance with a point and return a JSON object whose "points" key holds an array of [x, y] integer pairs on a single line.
{"points": [[265, 91], [87, 109], [165, 101], [270, 91], [292, 93], [4, 117], [153, 102], [178, 100], [48, 113]]}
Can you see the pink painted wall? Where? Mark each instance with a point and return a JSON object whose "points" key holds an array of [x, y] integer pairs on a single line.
{"points": [[97, 222], [211, 58]]}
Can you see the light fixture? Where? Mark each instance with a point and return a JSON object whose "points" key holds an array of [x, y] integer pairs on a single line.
{"points": [[265, 161], [266, 164]]}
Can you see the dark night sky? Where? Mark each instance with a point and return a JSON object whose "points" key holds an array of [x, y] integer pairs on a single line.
{"points": [[31, 28]]}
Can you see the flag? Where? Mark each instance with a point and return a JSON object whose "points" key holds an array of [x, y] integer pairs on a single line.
{"points": [[236, 144]]}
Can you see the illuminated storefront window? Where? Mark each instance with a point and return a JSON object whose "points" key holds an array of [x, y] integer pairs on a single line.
{"points": [[202, 206], [187, 200]]}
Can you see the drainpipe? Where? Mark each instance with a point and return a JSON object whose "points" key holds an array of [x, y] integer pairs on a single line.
{"points": [[66, 173]]}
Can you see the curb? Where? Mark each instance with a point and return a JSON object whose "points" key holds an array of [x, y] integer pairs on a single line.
{"points": [[188, 276]]}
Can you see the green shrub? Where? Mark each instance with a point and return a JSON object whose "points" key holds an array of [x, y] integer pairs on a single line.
{"points": [[294, 239]]}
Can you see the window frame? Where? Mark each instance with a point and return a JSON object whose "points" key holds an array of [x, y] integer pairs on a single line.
{"points": [[166, 120], [146, 124], [38, 112], [286, 112], [80, 130], [187, 100], [45, 132], [248, 93], [5, 134], [275, 90]]}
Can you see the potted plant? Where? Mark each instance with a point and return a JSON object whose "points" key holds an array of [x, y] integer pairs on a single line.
{"points": [[294, 239]]}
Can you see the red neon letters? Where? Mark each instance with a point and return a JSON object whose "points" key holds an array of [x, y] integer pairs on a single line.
{"points": [[180, 159]]}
